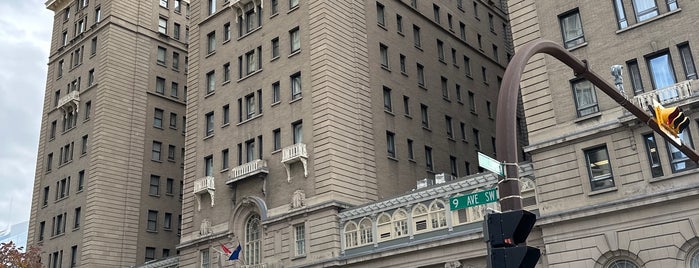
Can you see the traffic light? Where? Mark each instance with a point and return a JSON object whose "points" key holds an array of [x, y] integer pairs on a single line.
{"points": [[671, 119], [505, 234]]}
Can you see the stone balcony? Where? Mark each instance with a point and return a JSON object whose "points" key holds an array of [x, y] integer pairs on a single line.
{"points": [[292, 154], [672, 94], [246, 170], [203, 186], [239, 6], [69, 102]]}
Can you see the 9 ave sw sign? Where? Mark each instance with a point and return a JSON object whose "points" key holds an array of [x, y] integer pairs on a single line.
{"points": [[474, 199]]}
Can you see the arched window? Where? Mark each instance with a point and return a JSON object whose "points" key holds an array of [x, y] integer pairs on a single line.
{"points": [[365, 234], [252, 240], [350, 235], [384, 227], [400, 223], [437, 215], [622, 264], [420, 218], [694, 261]]}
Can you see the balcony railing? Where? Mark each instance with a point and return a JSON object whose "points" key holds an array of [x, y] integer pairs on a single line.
{"points": [[202, 186], [72, 99], [240, 5], [292, 154], [673, 93], [249, 169]]}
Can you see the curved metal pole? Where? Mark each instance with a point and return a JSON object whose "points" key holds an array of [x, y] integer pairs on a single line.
{"points": [[506, 123]]}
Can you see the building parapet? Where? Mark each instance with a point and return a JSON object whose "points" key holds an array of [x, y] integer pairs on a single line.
{"points": [[674, 93], [249, 169]]}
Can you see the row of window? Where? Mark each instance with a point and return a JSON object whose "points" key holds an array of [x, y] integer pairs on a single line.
{"points": [[66, 153], [163, 24], [150, 251], [157, 152], [213, 5], [661, 72], [252, 241], [158, 116], [429, 165], [59, 222], [76, 58], [252, 149], [63, 188], [70, 119], [407, 222], [56, 258], [80, 24], [154, 186], [161, 59], [152, 221], [177, 5]]}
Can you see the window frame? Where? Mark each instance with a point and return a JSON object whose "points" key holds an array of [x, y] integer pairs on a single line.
{"points": [[571, 41], [608, 176], [578, 109]]}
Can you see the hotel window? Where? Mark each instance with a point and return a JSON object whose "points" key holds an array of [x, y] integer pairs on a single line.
{"points": [[477, 139], [210, 124], [419, 218], [453, 57], [297, 128], [162, 52], [428, 159], [295, 39], [672, 5], [93, 46], [52, 132], [227, 72], [450, 22], [411, 154], [295, 86], [253, 235], [435, 9], [458, 92], [275, 47], [226, 114], [293, 4], [210, 82], [167, 221], [178, 6], [171, 152], [350, 235], [462, 128], [645, 9], [437, 215], [391, 144], [366, 236], [635, 75], [380, 19], [402, 63], [42, 228], [489, 109], [571, 28], [276, 96], [406, 105], [445, 87], [209, 166], [211, 42], [399, 23], [158, 118], [599, 168], [452, 166], [449, 126], [383, 227], [91, 78], [383, 50], [462, 31], [98, 14], [653, 157], [491, 24], [73, 256], [275, 7], [496, 55], [251, 20], [160, 85], [424, 116], [277, 139], [620, 14], [152, 221], [154, 188], [585, 97], [157, 148], [81, 180], [662, 74], [690, 70], [226, 31], [420, 75], [173, 89], [162, 25], [205, 262], [225, 159], [175, 60], [400, 223], [176, 31], [440, 50], [212, 7], [250, 105], [170, 186], [416, 36], [83, 147], [472, 102], [300, 239], [467, 66], [475, 9], [678, 160], [163, 3], [387, 106]]}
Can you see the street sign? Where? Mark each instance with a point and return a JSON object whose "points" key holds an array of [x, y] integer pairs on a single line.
{"points": [[488, 163], [474, 199]]}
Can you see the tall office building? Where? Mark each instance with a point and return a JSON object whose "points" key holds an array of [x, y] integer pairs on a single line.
{"points": [[107, 188], [298, 109], [611, 192]]}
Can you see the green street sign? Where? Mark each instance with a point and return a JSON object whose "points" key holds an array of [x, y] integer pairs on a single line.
{"points": [[490, 164], [474, 199]]}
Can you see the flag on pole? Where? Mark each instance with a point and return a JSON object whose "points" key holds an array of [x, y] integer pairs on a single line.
{"points": [[225, 249], [236, 253]]}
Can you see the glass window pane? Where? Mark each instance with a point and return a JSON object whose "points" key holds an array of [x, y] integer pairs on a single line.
{"points": [[599, 168]]}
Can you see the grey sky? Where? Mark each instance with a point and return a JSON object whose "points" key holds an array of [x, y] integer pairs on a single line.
{"points": [[25, 36]]}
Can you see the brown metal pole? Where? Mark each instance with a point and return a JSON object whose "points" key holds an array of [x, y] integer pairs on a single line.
{"points": [[506, 123]]}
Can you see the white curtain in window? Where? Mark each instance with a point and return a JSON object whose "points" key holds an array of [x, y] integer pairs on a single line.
{"points": [[585, 98], [572, 27], [645, 9]]}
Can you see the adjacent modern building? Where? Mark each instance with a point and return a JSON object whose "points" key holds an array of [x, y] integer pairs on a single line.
{"points": [[611, 193], [109, 173], [300, 112]]}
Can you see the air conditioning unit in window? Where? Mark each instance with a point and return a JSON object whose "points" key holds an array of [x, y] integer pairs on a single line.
{"points": [[443, 177], [424, 183]]}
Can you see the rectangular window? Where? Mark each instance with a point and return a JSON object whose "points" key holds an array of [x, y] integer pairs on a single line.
{"points": [[227, 31], [209, 166], [73, 256], [295, 86], [157, 148], [300, 239], [277, 139], [46, 196], [491, 24], [440, 50], [452, 166], [402, 63], [472, 102], [49, 162], [399, 23], [163, 3], [635, 75], [387, 105], [158, 118], [653, 156], [81, 180], [295, 40], [462, 31], [160, 85], [210, 124], [690, 70], [275, 47], [571, 28], [383, 51], [462, 127], [449, 126], [211, 42], [428, 159], [162, 25], [169, 186], [467, 66], [226, 114], [152, 221], [171, 152], [275, 6], [458, 92], [174, 88], [42, 228], [293, 3], [167, 221], [380, 14], [406, 105], [224, 159], [662, 74], [645, 9], [210, 82], [411, 155], [249, 150], [489, 109], [484, 74], [496, 55], [276, 97], [150, 254], [98, 14], [175, 60], [585, 98], [154, 188], [178, 6], [204, 258], [162, 52], [477, 139], [424, 116], [52, 131], [297, 128], [227, 72], [212, 7], [450, 22], [416, 36], [83, 147], [93, 46], [678, 160], [475, 9], [620, 14], [599, 168], [390, 144], [91, 77], [672, 5], [445, 87], [435, 9], [250, 105], [420, 75]]}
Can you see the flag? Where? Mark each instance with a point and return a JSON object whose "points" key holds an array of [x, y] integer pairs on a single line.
{"points": [[236, 253], [225, 249]]}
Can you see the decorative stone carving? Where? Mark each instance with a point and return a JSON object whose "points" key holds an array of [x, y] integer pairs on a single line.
{"points": [[526, 185], [298, 199], [205, 227], [452, 264]]}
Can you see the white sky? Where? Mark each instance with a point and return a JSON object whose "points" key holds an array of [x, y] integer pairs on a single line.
{"points": [[25, 36]]}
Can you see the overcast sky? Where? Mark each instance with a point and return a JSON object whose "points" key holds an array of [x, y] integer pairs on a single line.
{"points": [[25, 36]]}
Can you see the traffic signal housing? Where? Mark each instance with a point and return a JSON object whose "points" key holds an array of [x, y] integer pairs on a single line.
{"points": [[671, 119], [506, 234]]}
